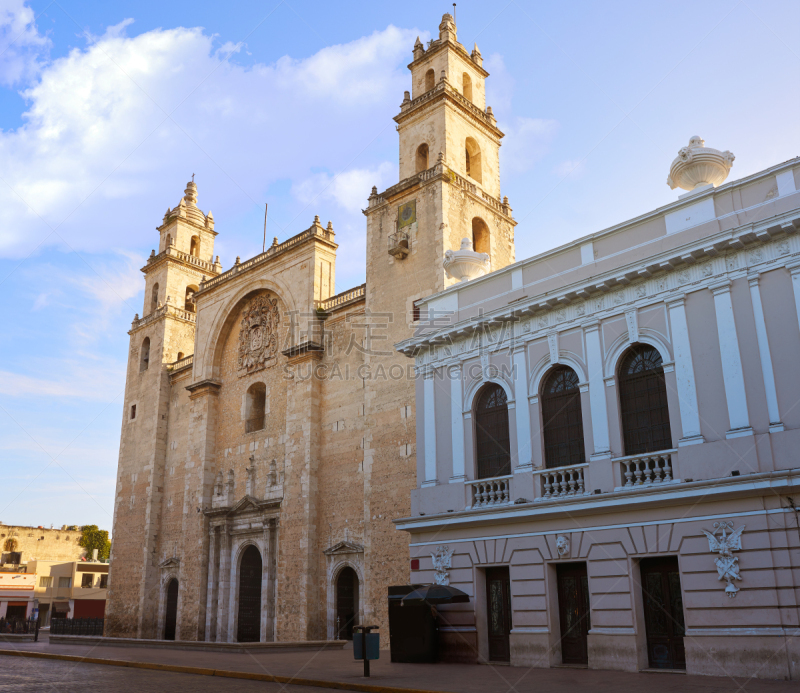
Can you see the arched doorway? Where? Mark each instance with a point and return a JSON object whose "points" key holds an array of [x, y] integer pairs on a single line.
{"points": [[249, 628], [346, 603], [171, 616]]}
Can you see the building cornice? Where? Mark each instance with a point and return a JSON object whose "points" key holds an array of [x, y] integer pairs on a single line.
{"points": [[662, 277], [172, 254], [315, 234], [444, 92]]}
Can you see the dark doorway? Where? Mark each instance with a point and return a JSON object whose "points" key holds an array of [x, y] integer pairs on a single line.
{"points": [[171, 616], [498, 611], [491, 432], [249, 628], [346, 603], [663, 612], [573, 612], [16, 612]]}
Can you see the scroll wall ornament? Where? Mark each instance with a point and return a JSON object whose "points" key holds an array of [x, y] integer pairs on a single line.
{"points": [[724, 540], [258, 334], [442, 562]]}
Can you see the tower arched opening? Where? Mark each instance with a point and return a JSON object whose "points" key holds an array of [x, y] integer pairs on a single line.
{"points": [[481, 236], [473, 159], [422, 157]]}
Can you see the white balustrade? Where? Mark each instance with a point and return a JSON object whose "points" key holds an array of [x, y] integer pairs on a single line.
{"points": [[491, 492], [562, 482], [645, 470]]}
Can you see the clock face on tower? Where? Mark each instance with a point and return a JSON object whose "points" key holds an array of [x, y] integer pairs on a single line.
{"points": [[407, 213]]}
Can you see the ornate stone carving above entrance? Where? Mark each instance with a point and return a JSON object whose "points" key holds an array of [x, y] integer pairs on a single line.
{"points": [[258, 334]]}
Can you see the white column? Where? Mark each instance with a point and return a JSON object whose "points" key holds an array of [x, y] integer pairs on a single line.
{"points": [[597, 391], [775, 424], [456, 423], [732, 372], [522, 410], [684, 373], [430, 428], [794, 270]]}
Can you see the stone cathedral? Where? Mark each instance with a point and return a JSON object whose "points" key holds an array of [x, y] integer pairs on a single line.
{"points": [[268, 433]]}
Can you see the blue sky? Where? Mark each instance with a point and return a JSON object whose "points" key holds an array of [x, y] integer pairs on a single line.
{"points": [[106, 109]]}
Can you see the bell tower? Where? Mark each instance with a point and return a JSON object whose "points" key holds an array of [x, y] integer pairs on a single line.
{"points": [[449, 190], [444, 121]]}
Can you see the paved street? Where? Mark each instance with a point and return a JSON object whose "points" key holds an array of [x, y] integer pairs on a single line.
{"points": [[41, 676], [29, 674]]}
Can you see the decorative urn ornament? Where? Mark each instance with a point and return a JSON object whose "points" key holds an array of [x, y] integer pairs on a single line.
{"points": [[465, 264], [698, 165]]}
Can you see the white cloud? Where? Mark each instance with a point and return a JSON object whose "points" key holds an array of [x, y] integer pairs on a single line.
{"points": [[112, 127], [527, 141], [84, 379], [347, 188], [573, 168], [21, 45]]}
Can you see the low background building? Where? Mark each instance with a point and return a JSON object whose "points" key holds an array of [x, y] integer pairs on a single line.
{"points": [[21, 544], [16, 595], [76, 589]]}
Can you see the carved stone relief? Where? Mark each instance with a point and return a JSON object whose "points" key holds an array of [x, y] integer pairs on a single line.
{"points": [[258, 334], [723, 540], [442, 562], [562, 545]]}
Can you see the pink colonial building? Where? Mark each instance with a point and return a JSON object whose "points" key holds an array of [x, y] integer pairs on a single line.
{"points": [[608, 437]]}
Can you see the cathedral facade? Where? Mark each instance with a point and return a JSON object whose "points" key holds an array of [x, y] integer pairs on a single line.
{"points": [[268, 434]]}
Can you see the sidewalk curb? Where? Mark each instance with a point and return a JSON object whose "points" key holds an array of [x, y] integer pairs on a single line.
{"points": [[318, 683]]}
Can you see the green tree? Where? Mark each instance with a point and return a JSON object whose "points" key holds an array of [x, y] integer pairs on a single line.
{"points": [[94, 538]]}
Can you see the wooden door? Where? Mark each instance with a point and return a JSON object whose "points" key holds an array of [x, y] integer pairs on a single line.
{"points": [[250, 570], [498, 610], [663, 612], [346, 603], [171, 615], [573, 612]]}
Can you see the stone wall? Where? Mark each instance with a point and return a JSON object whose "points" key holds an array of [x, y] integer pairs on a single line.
{"points": [[37, 543]]}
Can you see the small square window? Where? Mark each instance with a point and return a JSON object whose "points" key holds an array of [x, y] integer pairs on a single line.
{"points": [[103, 582], [86, 580], [133, 412]]}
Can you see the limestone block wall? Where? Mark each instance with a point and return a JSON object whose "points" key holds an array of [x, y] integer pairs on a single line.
{"points": [[42, 544]]}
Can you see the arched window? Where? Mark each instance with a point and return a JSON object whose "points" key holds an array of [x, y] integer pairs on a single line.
{"points": [[154, 298], [188, 301], [562, 423], [194, 248], [480, 236], [422, 158], [346, 603], [430, 80], [473, 154], [466, 85], [180, 356], [168, 242], [493, 449], [171, 614], [144, 363], [255, 407], [643, 401]]}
